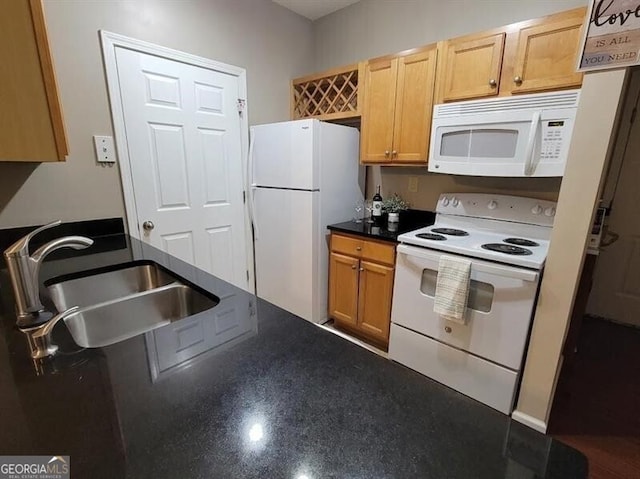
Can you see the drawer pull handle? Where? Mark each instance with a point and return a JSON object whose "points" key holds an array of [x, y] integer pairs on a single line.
{"points": [[447, 329], [353, 266], [358, 248], [361, 269]]}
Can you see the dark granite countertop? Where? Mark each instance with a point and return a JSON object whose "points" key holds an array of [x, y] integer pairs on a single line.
{"points": [[281, 398], [409, 220]]}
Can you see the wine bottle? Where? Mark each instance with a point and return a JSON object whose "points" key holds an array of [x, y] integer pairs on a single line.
{"points": [[376, 213]]}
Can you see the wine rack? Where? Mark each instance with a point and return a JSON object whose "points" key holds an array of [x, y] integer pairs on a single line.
{"points": [[331, 95]]}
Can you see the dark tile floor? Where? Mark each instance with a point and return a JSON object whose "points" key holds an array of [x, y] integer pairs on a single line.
{"points": [[597, 405]]}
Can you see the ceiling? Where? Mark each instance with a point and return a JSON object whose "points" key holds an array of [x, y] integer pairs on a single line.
{"points": [[314, 9]]}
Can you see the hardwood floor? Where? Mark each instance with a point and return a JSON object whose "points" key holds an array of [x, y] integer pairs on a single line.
{"points": [[597, 405]]}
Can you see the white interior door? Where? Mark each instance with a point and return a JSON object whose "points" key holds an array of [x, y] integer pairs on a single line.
{"points": [[183, 135], [616, 285]]}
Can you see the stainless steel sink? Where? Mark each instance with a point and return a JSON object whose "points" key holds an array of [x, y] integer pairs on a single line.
{"points": [[90, 289], [117, 320], [117, 304]]}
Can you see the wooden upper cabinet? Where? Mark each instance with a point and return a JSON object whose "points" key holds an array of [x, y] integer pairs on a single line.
{"points": [[471, 67], [396, 118], [31, 124], [414, 106], [379, 103], [526, 57], [546, 57]]}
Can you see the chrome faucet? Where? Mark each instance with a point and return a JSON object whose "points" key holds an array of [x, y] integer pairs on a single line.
{"points": [[24, 271]]}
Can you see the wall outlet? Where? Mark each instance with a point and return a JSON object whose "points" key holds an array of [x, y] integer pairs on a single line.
{"points": [[413, 184], [105, 151]]}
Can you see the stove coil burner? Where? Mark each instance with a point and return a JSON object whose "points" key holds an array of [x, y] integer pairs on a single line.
{"points": [[431, 236], [507, 249], [521, 242], [449, 232]]}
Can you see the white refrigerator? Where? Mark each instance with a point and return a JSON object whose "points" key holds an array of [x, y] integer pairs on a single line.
{"points": [[303, 175]]}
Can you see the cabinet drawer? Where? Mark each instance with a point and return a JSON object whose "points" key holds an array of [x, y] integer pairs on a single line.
{"points": [[361, 248], [482, 380], [379, 252], [346, 245]]}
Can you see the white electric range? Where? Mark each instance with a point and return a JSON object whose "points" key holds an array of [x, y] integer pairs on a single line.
{"points": [[506, 238]]}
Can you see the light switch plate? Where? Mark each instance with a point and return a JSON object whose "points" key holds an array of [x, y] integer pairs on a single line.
{"points": [[105, 151], [413, 184]]}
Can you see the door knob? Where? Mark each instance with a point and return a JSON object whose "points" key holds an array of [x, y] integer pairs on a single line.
{"points": [[386, 153], [394, 153], [517, 80], [353, 266], [493, 83], [148, 225]]}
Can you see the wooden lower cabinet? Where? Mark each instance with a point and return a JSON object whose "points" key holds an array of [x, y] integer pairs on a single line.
{"points": [[361, 287], [343, 289], [374, 299]]}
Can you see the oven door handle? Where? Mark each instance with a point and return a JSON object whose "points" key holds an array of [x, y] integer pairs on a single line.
{"points": [[476, 266]]}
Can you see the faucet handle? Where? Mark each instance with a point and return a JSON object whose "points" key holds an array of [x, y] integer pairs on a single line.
{"points": [[21, 247], [40, 337]]}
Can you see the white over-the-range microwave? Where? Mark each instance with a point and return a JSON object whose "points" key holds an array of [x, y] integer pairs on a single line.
{"points": [[524, 135]]}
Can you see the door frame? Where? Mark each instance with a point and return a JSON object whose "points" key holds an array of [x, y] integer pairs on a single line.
{"points": [[109, 42]]}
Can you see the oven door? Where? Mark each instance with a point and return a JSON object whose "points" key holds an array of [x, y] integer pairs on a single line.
{"points": [[500, 305]]}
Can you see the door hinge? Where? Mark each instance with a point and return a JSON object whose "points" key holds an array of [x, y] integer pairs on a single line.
{"points": [[633, 114], [247, 275], [242, 104], [244, 196]]}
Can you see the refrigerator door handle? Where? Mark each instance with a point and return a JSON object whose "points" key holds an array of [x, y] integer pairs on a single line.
{"points": [[251, 187]]}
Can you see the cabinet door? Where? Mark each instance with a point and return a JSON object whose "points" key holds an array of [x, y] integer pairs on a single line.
{"points": [[374, 303], [343, 289], [31, 118], [414, 107], [472, 67], [377, 115], [546, 57]]}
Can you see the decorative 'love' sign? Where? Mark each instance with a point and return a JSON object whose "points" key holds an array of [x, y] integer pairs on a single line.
{"points": [[611, 38]]}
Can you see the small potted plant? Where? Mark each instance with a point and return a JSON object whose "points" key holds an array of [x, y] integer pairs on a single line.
{"points": [[393, 206]]}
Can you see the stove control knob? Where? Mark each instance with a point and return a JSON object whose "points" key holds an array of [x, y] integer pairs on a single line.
{"points": [[551, 211], [536, 210], [454, 202], [493, 204], [445, 201]]}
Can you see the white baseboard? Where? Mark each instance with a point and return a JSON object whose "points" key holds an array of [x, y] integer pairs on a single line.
{"points": [[530, 421]]}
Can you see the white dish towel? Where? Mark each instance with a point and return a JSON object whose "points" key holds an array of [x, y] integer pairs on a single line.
{"points": [[452, 288]]}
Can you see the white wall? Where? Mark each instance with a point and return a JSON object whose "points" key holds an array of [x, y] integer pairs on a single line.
{"points": [[592, 137], [372, 28], [272, 43], [376, 27]]}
